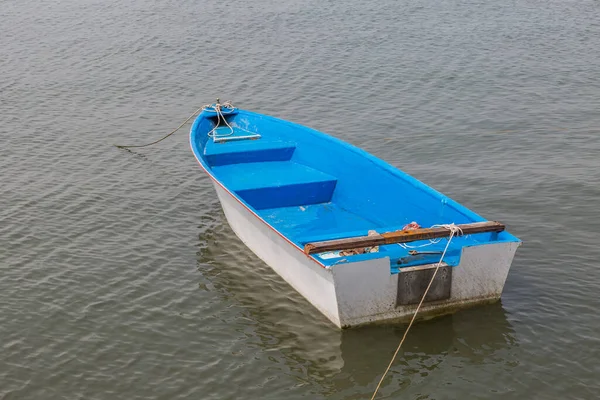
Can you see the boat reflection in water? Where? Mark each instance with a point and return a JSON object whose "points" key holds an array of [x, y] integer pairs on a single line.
{"points": [[287, 335]]}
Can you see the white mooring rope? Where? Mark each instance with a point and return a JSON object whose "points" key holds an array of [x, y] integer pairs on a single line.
{"points": [[218, 108], [454, 231]]}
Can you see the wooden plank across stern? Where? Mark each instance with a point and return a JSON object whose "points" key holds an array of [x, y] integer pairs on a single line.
{"points": [[403, 236]]}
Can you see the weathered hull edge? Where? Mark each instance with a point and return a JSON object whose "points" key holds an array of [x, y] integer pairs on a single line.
{"points": [[353, 294]]}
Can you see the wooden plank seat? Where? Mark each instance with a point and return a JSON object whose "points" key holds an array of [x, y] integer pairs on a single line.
{"points": [[403, 236]]}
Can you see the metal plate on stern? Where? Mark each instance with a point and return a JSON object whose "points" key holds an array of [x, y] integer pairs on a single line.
{"points": [[413, 282]]}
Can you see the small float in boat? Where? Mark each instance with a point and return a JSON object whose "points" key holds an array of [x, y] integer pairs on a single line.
{"points": [[343, 227]]}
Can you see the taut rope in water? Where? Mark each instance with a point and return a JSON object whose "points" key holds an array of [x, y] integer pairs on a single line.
{"points": [[218, 108], [454, 230], [221, 111], [164, 137]]}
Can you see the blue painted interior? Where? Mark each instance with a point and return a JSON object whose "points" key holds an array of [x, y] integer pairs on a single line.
{"points": [[310, 186]]}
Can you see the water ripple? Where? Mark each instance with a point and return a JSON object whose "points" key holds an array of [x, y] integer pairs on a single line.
{"points": [[120, 277]]}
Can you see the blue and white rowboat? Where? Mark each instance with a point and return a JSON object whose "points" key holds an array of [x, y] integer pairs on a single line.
{"points": [[329, 218]]}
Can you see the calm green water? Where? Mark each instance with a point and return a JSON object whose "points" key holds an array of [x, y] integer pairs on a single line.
{"points": [[120, 278]]}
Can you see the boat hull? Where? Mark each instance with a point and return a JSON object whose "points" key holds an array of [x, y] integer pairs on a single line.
{"points": [[307, 277], [355, 293]]}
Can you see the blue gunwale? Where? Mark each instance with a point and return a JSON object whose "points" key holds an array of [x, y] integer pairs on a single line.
{"points": [[304, 212]]}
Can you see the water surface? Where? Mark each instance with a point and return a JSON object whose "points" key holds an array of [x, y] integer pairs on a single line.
{"points": [[120, 278]]}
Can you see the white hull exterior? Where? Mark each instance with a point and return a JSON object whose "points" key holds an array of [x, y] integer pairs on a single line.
{"points": [[356, 293]]}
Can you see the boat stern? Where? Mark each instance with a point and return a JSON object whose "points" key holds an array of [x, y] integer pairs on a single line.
{"points": [[367, 291]]}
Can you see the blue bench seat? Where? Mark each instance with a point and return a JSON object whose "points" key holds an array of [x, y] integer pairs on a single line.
{"points": [[276, 183], [248, 151]]}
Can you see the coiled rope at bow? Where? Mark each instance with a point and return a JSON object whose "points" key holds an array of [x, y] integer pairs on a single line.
{"points": [[454, 231], [218, 108]]}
